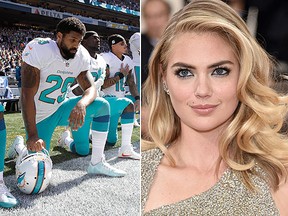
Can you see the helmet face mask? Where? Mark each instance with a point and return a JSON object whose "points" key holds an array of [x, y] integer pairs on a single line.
{"points": [[33, 172]]}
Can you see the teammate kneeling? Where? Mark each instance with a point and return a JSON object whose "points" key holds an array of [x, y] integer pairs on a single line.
{"points": [[118, 73], [91, 42], [49, 67]]}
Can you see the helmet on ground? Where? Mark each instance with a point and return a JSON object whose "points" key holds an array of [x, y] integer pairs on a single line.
{"points": [[33, 171]]}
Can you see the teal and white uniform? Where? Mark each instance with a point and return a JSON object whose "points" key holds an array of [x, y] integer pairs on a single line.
{"points": [[115, 95], [56, 75], [98, 71], [135, 49], [2, 139]]}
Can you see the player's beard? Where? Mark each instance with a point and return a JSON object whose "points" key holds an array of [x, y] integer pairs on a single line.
{"points": [[66, 51]]}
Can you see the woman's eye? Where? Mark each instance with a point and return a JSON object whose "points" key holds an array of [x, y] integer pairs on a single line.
{"points": [[221, 72], [183, 73]]}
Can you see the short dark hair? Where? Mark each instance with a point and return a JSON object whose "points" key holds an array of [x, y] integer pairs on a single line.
{"points": [[114, 39], [70, 24]]}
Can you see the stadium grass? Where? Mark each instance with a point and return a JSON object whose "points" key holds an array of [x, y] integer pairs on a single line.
{"points": [[15, 126]]}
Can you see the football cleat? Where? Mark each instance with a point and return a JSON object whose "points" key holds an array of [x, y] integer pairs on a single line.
{"points": [[7, 200], [18, 143], [33, 171], [103, 168], [128, 152], [136, 123]]}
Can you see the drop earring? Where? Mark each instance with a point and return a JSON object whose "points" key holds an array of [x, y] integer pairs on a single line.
{"points": [[166, 88]]}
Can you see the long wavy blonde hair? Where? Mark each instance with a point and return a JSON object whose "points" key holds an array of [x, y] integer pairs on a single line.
{"points": [[253, 134]]}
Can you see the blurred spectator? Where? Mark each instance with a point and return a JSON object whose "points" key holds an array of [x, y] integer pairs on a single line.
{"points": [[266, 20], [156, 14], [18, 74], [133, 5], [3, 82], [13, 41], [18, 78], [8, 93]]}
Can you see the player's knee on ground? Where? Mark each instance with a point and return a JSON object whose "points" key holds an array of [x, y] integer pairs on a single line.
{"points": [[81, 152]]}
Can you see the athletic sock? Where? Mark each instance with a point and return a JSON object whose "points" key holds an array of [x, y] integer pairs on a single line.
{"points": [[1, 176], [98, 144], [127, 130], [68, 140]]}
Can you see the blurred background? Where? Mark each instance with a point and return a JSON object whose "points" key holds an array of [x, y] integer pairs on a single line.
{"points": [[267, 21]]}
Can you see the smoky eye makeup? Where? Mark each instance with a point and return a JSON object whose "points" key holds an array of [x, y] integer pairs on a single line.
{"points": [[183, 73], [221, 71]]}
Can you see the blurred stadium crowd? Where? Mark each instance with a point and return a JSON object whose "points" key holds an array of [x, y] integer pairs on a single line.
{"points": [[13, 38]]}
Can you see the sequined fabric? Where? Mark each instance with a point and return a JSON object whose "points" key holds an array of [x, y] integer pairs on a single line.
{"points": [[228, 196]]}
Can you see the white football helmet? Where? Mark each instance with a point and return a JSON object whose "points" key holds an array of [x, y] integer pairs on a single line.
{"points": [[33, 171], [134, 42]]}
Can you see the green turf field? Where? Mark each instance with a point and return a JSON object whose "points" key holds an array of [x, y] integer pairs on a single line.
{"points": [[15, 126]]}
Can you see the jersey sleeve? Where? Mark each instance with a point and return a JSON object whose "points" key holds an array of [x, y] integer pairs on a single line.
{"points": [[37, 52]]}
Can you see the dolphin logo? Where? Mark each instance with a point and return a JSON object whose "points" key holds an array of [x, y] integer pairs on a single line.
{"points": [[21, 180]]}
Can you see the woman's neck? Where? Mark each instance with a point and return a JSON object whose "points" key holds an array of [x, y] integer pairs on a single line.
{"points": [[196, 149]]}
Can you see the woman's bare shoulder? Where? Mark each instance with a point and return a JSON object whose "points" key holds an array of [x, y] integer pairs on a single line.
{"points": [[280, 198]]}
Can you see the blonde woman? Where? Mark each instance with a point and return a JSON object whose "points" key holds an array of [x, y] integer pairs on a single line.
{"points": [[214, 120]]}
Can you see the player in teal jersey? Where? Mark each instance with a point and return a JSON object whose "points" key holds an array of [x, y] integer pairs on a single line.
{"points": [[91, 42], [48, 69], [118, 73]]}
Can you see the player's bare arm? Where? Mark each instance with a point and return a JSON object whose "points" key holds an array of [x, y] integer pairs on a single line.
{"points": [[77, 115], [133, 90], [110, 81], [30, 83]]}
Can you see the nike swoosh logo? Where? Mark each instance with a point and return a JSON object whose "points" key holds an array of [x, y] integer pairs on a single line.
{"points": [[30, 48], [125, 155]]}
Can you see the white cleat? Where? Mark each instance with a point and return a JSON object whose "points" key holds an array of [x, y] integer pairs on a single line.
{"points": [[103, 168], [7, 200], [128, 152], [12, 153]]}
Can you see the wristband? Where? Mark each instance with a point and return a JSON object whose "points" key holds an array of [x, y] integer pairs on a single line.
{"points": [[121, 75], [137, 97]]}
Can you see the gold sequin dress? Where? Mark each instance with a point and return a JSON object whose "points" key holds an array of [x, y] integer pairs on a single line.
{"points": [[228, 196]]}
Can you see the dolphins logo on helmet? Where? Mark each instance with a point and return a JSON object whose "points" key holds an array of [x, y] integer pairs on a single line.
{"points": [[33, 172]]}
